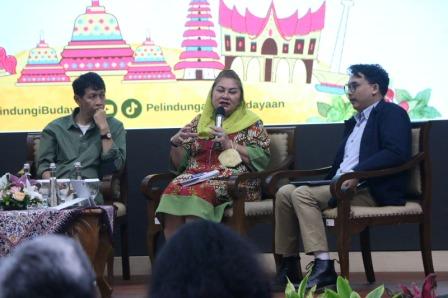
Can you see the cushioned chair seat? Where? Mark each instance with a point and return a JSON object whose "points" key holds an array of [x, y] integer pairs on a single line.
{"points": [[411, 208], [257, 208], [121, 208]]}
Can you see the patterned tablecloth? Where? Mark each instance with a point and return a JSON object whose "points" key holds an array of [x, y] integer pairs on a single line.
{"points": [[17, 226]]}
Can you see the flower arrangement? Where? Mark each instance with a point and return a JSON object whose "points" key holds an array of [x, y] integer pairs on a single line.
{"points": [[18, 192]]}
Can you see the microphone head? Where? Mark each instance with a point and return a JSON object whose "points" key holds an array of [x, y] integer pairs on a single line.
{"points": [[220, 111]]}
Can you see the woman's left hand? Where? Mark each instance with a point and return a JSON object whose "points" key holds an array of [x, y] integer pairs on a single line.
{"points": [[221, 137]]}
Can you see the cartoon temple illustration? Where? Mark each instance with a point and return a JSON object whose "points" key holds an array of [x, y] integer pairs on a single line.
{"points": [[149, 64], [96, 44], [271, 46], [43, 67], [199, 60]]}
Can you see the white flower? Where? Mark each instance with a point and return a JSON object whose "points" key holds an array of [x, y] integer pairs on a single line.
{"points": [[4, 181]]}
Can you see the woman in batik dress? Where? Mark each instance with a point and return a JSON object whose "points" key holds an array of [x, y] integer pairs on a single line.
{"points": [[242, 145]]}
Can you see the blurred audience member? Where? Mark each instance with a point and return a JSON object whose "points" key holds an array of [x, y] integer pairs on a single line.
{"points": [[46, 267], [206, 259]]}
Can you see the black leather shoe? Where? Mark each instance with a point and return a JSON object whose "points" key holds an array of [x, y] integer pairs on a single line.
{"points": [[322, 275], [289, 268]]}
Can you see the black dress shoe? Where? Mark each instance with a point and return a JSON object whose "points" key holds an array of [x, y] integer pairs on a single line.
{"points": [[322, 275], [289, 268]]}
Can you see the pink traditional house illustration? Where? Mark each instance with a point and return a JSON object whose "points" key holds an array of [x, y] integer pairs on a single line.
{"points": [[262, 43], [199, 60], [96, 44], [149, 64], [43, 67], [8, 63]]}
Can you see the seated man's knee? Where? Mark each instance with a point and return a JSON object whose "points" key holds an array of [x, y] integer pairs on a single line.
{"points": [[284, 193]]}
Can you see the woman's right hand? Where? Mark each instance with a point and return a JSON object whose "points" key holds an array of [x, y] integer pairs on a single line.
{"points": [[183, 134]]}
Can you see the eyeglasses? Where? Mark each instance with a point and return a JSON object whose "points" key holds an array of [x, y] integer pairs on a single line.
{"points": [[351, 87]]}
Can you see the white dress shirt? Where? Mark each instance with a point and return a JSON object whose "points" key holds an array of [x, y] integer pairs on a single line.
{"points": [[351, 151]]}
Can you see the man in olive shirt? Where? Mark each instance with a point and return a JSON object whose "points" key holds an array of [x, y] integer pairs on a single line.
{"points": [[87, 135]]}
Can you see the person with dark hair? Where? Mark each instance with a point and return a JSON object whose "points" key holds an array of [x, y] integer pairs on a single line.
{"points": [[240, 144], [378, 136], [206, 259], [51, 266], [87, 135]]}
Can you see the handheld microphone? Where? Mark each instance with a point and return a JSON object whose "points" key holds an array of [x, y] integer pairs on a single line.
{"points": [[219, 116]]}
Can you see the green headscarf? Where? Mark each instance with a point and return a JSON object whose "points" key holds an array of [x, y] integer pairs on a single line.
{"points": [[240, 119]]}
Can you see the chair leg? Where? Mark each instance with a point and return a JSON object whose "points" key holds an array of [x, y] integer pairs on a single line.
{"points": [[425, 247], [110, 268], [343, 244], [366, 254], [125, 250]]}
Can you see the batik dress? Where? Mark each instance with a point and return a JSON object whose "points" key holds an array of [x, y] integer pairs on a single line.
{"points": [[208, 199]]}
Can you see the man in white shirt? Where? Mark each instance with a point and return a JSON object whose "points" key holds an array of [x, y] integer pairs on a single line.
{"points": [[378, 136]]}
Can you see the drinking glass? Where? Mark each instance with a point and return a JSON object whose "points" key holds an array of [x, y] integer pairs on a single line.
{"points": [[44, 190]]}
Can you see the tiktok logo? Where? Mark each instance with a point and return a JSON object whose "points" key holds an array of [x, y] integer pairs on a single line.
{"points": [[131, 108]]}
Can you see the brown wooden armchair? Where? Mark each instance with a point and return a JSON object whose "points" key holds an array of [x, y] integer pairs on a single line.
{"points": [[242, 214], [114, 189], [346, 220]]}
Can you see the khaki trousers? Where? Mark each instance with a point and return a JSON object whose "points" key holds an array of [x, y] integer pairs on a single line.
{"points": [[302, 206]]}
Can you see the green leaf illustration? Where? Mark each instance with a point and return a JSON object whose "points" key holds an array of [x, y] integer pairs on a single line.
{"points": [[323, 108], [402, 95]]}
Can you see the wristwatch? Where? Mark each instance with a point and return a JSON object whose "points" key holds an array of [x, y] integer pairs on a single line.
{"points": [[106, 136]]}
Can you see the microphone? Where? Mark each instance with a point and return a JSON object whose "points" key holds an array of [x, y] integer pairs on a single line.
{"points": [[219, 116]]}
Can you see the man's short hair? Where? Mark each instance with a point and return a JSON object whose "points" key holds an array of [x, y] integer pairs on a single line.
{"points": [[207, 259], [46, 267], [88, 80], [373, 73]]}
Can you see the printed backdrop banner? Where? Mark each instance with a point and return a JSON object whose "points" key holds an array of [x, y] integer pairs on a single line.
{"points": [[159, 58]]}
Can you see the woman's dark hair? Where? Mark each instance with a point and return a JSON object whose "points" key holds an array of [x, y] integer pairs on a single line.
{"points": [[88, 80], [230, 74], [205, 259], [373, 73]]}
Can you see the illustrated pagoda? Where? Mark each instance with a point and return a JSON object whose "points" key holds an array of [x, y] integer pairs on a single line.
{"points": [[96, 44], [199, 60], [43, 67]]}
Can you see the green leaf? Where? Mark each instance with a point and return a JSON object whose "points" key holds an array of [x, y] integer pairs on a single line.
{"points": [[401, 94], [430, 112], [302, 287], [290, 291], [334, 115], [424, 96], [412, 104], [376, 293], [323, 108], [331, 294], [354, 295], [338, 103], [344, 289], [415, 114], [311, 292], [316, 119]]}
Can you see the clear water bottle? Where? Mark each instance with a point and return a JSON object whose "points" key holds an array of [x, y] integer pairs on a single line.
{"points": [[77, 166], [54, 198]]}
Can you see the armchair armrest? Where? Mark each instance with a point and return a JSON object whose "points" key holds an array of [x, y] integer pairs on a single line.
{"points": [[106, 189], [273, 180], [236, 180], [149, 185], [335, 186]]}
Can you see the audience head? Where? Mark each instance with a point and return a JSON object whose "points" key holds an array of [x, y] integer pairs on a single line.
{"points": [[90, 80], [227, 91], [368, 84], [46, 267], [206, 259]]}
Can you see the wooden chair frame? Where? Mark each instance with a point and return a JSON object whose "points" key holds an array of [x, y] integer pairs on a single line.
{"points": [[345, 225], [152, 187]]}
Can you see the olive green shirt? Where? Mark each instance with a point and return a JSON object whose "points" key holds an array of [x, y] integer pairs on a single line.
{"points": [[63, 143]]}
